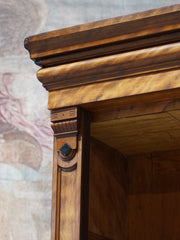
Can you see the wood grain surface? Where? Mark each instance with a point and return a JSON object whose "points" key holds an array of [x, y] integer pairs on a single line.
{"points": [[93, 93], [126, 72], [111, 67], [107, 192], [94, 236], [97, 34], [154, 193], [70, 180], [141, 134], [144, 194], [134, 106]]}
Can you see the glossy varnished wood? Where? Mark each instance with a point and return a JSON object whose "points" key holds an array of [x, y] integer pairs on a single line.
{"points": [[125, 72], [154, 193], [70, 176], [107, 192], [140, 134], [135, 106], [77, 43], [116, 66], [94, 236], [131, 86]]}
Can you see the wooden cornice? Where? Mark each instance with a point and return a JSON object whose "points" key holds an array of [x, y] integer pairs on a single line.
{"points": [[116, 48], [111, 67]]}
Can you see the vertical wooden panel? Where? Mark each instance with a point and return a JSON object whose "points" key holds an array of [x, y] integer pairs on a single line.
{"points": [[68, 204], [154, 196], [166, 195], [55, 196], [107, 193], [166, 216], [70, 180], [140, 198]]}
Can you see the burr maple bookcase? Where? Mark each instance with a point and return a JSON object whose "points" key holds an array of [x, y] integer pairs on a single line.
{"points": [[114, 96]]}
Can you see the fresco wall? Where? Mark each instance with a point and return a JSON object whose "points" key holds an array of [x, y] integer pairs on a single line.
{"points": [[25, 134]]}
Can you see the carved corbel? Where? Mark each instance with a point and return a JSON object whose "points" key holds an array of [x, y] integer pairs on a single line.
{"points": [[71, 128], [65, 127]]}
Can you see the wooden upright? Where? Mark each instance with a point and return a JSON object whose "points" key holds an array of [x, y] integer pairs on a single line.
{"points": [[114, 96]]}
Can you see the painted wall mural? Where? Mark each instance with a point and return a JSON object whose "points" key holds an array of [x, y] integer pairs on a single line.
{"points": [[25, 179], [25, 135]]}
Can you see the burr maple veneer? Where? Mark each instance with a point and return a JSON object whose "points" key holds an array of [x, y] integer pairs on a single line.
{"points": [[114, 96]]}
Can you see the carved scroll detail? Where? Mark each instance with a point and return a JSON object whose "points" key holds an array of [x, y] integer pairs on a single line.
{"points": [[71, 128], [65, 127]]}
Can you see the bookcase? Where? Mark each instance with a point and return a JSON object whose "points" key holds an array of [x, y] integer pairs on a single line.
{"points": [[114, 97]]}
